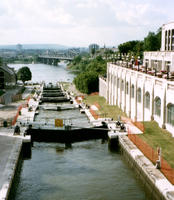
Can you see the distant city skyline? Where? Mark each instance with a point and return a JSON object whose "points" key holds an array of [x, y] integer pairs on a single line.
{"points": [[81, 22]]}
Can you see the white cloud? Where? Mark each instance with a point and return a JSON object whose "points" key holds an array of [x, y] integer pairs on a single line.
{"points": [[79, 22], [87, 4], [130, 12]]}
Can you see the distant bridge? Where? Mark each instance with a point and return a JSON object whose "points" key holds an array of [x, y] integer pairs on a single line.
{"points": [[53, 60]]}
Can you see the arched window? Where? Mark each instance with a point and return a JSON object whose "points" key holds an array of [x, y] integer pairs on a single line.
{"points": [[147, 100], [122, 85], [170, 114], [139, 95], [132, 91], [157, 106], [118, 82], [127, 88]]}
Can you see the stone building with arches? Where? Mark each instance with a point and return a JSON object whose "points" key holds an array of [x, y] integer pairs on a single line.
{"points": [[141, 95]]}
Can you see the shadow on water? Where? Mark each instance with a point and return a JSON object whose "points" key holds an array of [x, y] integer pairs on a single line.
{"points": [[61, 149], [90, 165], [25, 155], [113, 146]]}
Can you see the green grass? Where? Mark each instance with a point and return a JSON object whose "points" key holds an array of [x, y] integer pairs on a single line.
{"points": [[153, 135], [157, 137], [105, 109]]}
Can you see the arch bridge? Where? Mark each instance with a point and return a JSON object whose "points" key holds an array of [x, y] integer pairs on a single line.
{"points": [[52, 60]]}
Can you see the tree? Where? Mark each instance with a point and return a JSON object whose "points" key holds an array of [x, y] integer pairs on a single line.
{"points": [[139, 49], [133, 46], [24, 74], [87, 82], [88, 71], [153, 41], [77, 60]]}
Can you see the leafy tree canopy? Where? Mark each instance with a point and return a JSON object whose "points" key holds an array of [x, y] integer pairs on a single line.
{"points": [[24, 74], [150, 43], [153, 41], [87, 82], [136, 47], [77, 60], [89, 69]]}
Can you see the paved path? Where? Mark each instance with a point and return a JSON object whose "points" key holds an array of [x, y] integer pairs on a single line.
{"points": [[27, 91]]}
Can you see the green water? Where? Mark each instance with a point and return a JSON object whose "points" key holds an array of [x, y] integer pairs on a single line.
{"points": [[88, 171]]}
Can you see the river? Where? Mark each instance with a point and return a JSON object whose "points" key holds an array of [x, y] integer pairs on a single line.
{"points": [[87, 171], [47, 73]]}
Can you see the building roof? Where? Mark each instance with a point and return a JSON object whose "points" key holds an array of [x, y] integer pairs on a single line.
{"points": [[7, 69]]}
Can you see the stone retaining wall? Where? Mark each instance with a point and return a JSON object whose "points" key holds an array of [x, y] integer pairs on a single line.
{"points": [[157, 185]]}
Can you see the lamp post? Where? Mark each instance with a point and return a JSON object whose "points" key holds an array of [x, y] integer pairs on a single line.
{"points": [[138, 62], [115, 57], [122, 58], [132, 61], [146, 62], [156, 64], [168, 69], [127, 57], [119, 58]]}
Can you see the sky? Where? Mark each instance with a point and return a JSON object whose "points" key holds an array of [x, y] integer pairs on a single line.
{"points": [[81, 22]]}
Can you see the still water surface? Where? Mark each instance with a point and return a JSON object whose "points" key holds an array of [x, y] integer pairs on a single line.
{"points": [[47, 73], [87, 171]]}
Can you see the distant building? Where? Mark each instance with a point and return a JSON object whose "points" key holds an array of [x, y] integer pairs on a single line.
{"points": [[114, 49], [19, 47], [73, 52], [7, 77], [103, 50], [93, 46]]}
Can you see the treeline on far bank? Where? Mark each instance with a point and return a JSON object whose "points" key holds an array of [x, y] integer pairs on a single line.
{"points": [[88, 70]]}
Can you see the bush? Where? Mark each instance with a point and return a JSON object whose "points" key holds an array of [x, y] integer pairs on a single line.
{"points": [[1, 92], [24, 74], [88, 71], [87, 82]]}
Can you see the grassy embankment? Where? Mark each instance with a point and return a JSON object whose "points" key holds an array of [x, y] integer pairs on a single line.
{"points": [[105, 109], [154, 135], [157, 137]]}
